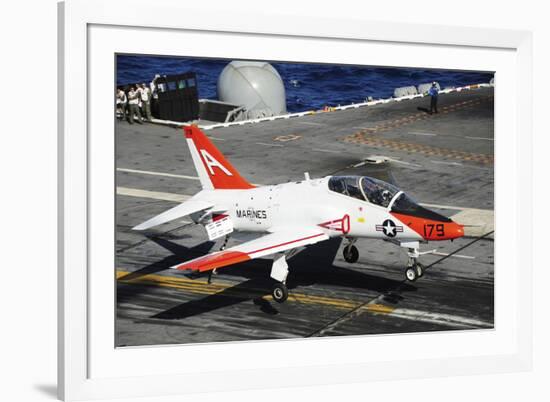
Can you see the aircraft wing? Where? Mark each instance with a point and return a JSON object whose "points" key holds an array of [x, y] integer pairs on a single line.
{"points": [[269, 244], [185, 208]]}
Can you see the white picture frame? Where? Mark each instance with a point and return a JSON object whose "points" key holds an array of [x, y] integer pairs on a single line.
{"points": [[89, 365]]}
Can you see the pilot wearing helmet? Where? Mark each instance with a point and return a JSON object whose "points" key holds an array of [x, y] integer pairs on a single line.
{"points": [[386, 196]]}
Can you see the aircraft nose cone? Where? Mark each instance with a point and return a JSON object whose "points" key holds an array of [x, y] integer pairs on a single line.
{"points": [[455, 230], [443, 231]]}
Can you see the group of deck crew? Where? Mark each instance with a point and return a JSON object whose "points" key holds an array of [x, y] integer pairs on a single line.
{"points": [[134, 104]]}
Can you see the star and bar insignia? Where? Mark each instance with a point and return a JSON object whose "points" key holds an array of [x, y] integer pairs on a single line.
{"points": [[389, 228]]}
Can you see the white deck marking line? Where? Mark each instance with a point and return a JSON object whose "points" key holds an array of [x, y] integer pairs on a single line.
{"points": [[154, 195], [437, 318], [467, 257], [178, 176], [422, 133], [450, 320], [332, 151], [476, 222], [439, 206], [311, 123], [480, 138], [216, 138], [402, 162], [269, 145], [447, 163]]}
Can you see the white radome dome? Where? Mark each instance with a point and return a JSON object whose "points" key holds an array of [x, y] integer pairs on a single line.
{"points": [[255, 85]]}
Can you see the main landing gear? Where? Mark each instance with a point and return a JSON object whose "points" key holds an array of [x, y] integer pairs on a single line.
{"points": [[351, 254], [214, 271], [279, 272], [414, 269]]}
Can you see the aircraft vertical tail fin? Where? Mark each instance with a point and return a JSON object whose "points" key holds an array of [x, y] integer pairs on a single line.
{"points": [[215, 172]]}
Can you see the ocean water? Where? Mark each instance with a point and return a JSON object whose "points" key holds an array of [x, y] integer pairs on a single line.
{"points": [[308, 86]]}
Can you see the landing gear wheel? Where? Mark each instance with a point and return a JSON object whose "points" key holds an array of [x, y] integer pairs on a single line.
{"points": [[411, 274], [279, 292], [419, 269], [351, 254]]}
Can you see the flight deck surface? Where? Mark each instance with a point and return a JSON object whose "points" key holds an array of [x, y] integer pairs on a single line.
{"points": [[444, 160]]}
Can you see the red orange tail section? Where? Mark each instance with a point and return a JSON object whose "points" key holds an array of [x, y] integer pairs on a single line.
{"points": [[215, 172]]}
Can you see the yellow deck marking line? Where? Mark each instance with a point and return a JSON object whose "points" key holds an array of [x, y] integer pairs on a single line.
{"points": [[379, 308], [203, 288]]}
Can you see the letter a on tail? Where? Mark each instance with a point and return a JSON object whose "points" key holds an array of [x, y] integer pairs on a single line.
{"points": [[215, 172]]}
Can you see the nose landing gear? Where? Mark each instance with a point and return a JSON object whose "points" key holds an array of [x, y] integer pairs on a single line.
{"points": [[414, 269]]}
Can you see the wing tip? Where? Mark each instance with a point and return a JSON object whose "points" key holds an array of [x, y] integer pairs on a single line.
{"points": [[184, 266], [212, 261], [143, 226]]}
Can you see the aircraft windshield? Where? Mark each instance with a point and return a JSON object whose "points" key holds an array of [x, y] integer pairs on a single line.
{"points": [[364, 188], [404, 204]]}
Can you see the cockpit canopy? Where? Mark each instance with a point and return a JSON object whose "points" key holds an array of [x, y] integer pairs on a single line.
{"points": [[379, 192], [364, 188]]}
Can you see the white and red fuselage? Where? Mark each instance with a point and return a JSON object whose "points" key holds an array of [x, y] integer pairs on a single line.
{"points": [[311, 203], [293, 215]]}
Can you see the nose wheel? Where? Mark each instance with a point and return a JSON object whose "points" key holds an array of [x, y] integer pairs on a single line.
{"points": [[410, 274], [414, 269], [420, 269], [414, 272]]}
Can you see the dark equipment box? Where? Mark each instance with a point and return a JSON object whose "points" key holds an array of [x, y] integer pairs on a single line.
{"points": [[178, 98]]}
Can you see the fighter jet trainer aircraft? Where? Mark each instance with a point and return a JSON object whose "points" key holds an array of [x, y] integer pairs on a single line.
{"points": [[289, 216]]}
